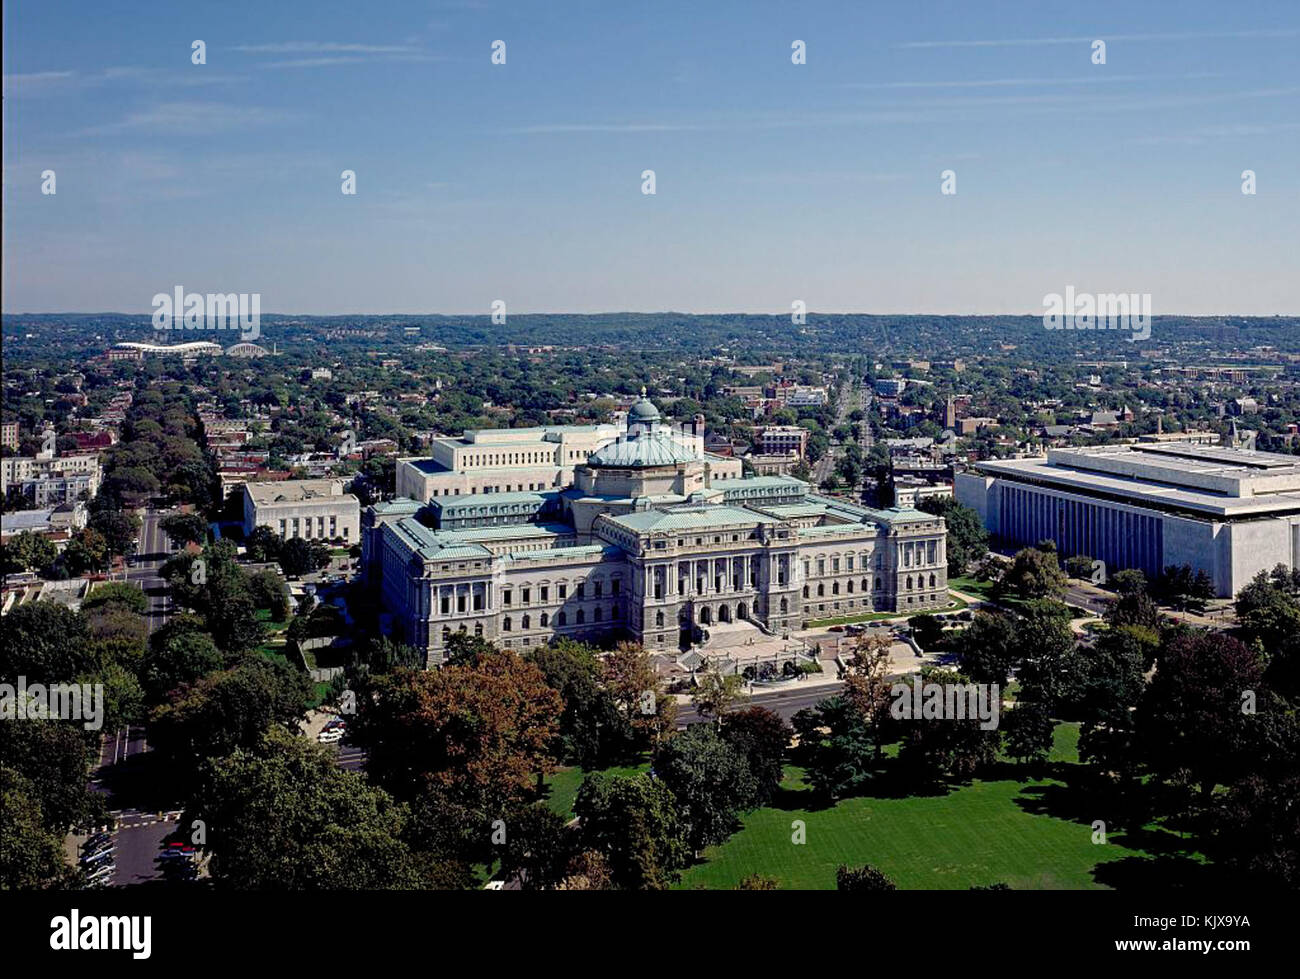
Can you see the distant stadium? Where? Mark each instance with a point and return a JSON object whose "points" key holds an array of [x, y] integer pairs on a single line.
{"points": [[192, 349]]}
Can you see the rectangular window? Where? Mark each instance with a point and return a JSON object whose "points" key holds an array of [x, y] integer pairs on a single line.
{"points": [[564, 591], [525, 595], [546, 593], [506, 597]]}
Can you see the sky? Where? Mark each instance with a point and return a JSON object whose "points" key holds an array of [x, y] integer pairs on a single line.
{"points": [[775, 182]]}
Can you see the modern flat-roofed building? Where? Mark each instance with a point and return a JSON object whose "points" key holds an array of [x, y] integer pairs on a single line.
{"points": [[528, 460], [1226, 511], [654, 540], [501, 460], [316, 509]]}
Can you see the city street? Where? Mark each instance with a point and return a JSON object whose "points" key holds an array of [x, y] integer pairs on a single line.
{"points": [[139, 831]]}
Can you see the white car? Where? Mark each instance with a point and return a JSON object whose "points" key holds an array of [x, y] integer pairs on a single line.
{"points": [[495, 885], [332, 736]]}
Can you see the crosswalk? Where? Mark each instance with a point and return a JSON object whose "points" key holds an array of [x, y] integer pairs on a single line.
{"points": [[350, 758], [134, 819]]}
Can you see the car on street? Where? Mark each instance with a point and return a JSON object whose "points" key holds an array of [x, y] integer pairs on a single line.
{"points": [[330, 737]]}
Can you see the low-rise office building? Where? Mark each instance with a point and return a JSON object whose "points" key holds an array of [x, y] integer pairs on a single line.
{"points": [[1226, 511], [315, 509]]}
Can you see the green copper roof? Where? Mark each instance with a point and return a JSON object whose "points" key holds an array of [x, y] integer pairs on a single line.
{"points": [[643, 411], [640, 452], [690, 519]]}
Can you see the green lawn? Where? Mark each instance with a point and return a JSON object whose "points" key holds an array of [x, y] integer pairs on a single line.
{"points": [[846, 619], [955, 604], [979, 834], [972, 586], [562, 787], [984, 590]]}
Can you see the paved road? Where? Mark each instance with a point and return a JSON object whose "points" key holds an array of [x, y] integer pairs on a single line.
{"points": [[155, 548], [787, 702], [1075, 595], [350, 758], [139, 832]]}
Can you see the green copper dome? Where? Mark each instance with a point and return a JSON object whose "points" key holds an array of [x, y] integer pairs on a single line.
{"points": [[643, 411], [641, 452]]}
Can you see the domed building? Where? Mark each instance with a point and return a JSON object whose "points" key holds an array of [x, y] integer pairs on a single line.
{"points": [[651, 460], [652, 539]]}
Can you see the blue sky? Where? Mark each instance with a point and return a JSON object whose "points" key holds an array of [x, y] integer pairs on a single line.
{"points": [[775, 181]]}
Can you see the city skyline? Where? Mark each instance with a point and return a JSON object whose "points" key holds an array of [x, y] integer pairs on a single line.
{"points": [[775, 182]]}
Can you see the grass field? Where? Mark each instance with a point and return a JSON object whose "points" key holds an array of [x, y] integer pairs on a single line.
{"points": [[563, 785], [954, 605], [987, 832]]}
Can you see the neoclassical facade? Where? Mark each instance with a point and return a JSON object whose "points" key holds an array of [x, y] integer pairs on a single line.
{"points": [[653, 540]]}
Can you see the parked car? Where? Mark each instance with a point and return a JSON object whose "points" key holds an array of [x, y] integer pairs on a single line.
{"points": [[330, 737]]}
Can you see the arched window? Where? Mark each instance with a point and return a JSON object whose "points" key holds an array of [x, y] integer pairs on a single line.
{"points": [[821, 591], [877, 584], [932, 585], [805, 591], [850, 585], [598, 615], [582, 616], [785, 606], [561, 619], [507, 624], [835, 588], [525, 622], [478, 630], [544, 620], [909, 583], [866, 584], [446, 633], [659, 619]]}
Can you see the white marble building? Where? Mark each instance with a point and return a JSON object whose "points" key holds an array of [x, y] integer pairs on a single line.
{"points": [[653, 541]]}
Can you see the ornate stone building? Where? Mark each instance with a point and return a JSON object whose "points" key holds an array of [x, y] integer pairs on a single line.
{"points": [[654, 540]]}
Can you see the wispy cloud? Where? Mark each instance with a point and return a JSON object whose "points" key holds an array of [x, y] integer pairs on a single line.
{"points": [[330, 54], [32, 82], [323, 47], [329, 62], [1035, 41], [52, 82], [36, 77], [192, 118], [1017, 82], [611, 127], [1209, 134]]}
